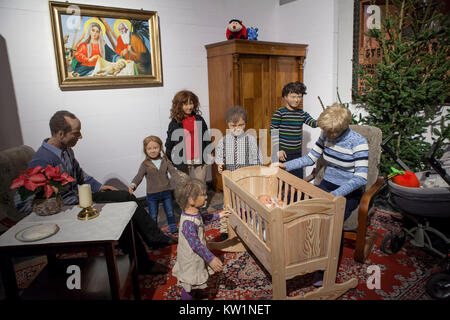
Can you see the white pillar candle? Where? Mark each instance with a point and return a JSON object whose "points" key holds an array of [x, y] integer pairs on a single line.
{"points": [[85, 195]]}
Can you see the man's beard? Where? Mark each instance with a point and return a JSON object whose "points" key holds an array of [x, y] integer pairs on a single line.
{"points": [[126, 37]]}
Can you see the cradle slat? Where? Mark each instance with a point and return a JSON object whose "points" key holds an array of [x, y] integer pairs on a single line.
{"points": [[236, 204], [260, 229], [272, 186], [253, 219], [280, 187], [268, 236], [241, 210], [292, 195], [246, 214]]}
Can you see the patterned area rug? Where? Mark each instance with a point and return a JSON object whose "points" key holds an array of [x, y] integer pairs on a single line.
{"points": [[403, 275], [28, 270]]}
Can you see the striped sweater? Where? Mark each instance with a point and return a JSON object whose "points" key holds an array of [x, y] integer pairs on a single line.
{"points": [[286, 129], [346, 157]]}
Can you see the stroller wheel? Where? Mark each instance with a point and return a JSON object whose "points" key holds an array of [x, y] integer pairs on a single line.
{"points": [[392, 243], [438, 287]]}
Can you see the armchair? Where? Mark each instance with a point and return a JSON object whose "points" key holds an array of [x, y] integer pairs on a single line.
{"points": [[12, 162]]}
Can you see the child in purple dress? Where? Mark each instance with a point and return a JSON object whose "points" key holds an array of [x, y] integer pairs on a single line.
{"points": [[194, 261]]}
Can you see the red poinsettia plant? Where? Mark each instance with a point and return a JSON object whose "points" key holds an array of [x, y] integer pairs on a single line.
{"points": [[43, 182]]}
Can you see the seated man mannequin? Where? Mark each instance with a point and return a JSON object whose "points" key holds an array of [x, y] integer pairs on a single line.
{"points": [[57, 150]]}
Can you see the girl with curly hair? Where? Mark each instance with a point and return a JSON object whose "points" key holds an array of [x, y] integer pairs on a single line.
{"points": [[187, 135]]}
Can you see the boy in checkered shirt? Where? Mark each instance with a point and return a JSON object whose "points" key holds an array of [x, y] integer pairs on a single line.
{"points": [[237, 149]]}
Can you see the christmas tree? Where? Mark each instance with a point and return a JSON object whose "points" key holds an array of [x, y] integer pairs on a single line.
{"points": [[406, 91]]}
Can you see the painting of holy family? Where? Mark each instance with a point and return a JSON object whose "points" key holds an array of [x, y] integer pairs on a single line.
{"points": [[105, 47]]}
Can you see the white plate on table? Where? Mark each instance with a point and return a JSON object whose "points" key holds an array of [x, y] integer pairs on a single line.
{"points": [[37, 232]]}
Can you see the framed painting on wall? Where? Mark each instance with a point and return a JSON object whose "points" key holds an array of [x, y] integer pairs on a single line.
{"points": [[104, 47]]}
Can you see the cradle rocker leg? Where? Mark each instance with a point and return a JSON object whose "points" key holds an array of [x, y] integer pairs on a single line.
{"points": [[329, 292], [229, 245], [232, 244]]}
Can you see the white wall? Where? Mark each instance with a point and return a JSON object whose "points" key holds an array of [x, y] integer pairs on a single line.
{"points": [[114, 122], [345, 49]]}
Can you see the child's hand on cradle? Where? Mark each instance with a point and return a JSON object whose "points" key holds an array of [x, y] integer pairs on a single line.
{"points": [[224, 214], [281, 155], [278, 165], [266, 200], [216, 264], [220, 168]]}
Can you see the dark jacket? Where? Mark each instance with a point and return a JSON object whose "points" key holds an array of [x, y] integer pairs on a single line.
{"points": [[45, 156], [204, 140]]}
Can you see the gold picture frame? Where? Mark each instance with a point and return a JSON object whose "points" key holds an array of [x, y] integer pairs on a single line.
{"points": [[105, 47]]}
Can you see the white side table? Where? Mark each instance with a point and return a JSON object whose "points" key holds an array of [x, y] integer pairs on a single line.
{"points": [[74, 235]]}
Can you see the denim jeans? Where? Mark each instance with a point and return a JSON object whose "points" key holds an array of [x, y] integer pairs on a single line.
{"points": [[297, 172], [153, 202], [350, 205], [353, 197]]}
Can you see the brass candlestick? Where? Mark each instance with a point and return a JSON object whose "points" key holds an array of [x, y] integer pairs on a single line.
{"points": [[87, 213]]}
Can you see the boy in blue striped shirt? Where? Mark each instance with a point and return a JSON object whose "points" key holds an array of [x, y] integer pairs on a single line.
{"points": [[286, 127]]}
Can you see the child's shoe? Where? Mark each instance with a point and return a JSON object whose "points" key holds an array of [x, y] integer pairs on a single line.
{"points": [[185, 295], [223, 236], [318, 279], [199, 294], [173, 228]]}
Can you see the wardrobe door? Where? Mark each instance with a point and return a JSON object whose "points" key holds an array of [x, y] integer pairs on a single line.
{"points": [[283, 70], [255, 94]]}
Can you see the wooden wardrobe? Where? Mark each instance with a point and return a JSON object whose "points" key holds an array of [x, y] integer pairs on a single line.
{"points": [[251, 74]]}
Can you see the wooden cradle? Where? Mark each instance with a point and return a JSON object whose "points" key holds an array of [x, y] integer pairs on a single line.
{"points": [[299, 238]]}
